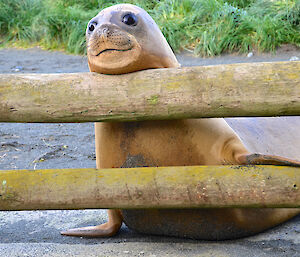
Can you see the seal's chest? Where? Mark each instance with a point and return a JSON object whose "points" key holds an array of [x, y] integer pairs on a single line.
{"points": [[158, 143], [138, 160]]}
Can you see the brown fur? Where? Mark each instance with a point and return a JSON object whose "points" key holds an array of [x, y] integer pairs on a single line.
{"points": [[165, 143]]}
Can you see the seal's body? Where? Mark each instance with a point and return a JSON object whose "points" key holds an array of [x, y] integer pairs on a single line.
{"points": [[179, 143], [123, 39]]}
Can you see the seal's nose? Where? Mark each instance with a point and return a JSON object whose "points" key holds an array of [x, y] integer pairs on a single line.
{"points": [[104, 31]]}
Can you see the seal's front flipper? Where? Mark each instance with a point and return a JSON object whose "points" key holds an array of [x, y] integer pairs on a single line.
{"points": [[103, 230], [262, 159], [108, 229]]}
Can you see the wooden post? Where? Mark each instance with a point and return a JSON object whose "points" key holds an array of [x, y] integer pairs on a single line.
{"points": [[244, 89], [169, 187]]}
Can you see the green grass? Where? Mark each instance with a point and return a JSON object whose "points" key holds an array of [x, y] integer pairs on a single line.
{"points": [[208, 27]]}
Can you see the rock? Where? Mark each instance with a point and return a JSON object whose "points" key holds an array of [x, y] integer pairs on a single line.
{"points": [[294, 58], [17, 68]]}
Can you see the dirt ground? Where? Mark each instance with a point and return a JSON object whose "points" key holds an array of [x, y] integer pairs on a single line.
{"points": [[41, 146]]}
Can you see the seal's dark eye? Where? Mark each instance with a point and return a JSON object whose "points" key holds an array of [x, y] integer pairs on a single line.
{"points": [[92, 26], [130, 19]]}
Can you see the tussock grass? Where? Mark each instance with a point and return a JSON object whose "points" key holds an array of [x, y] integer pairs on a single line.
{"points": [[207, 27]]}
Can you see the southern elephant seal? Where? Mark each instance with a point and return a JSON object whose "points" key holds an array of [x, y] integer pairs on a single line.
{"points": [[124, 38]]}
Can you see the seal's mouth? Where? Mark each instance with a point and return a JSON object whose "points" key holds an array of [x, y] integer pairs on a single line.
{"points": [[111, 49]]}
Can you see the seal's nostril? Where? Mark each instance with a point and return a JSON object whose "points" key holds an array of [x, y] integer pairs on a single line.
{"points": [[105, 31]]}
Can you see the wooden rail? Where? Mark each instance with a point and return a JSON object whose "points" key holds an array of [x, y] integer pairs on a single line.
{"points": [[248, 89], [169, 187], [253, 89]]}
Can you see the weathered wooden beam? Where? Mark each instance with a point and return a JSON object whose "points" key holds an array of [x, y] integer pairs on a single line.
{"points": [[169, 187], [252, 89]]}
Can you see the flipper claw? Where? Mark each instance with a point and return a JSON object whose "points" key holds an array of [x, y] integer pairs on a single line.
{"points": [[262, 159]]}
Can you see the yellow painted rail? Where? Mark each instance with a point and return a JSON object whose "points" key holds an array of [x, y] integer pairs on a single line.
{"points": [[164, 187], [244, 89]]}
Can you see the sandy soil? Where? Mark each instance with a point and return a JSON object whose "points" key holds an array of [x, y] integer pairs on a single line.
{"points": [[39, 146], [35, 60]]}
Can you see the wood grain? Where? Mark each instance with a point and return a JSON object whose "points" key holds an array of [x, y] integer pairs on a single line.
{"points": [[153, 187], [245, 89]]}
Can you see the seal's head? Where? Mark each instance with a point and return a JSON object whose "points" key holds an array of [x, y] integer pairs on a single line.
{"points": [[124, 38]]}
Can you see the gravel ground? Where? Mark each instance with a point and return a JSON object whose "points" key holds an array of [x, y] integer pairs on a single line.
{"points": [[40, 146]]}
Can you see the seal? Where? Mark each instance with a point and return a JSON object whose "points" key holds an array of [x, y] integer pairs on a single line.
{"points": [[122, 39]]}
